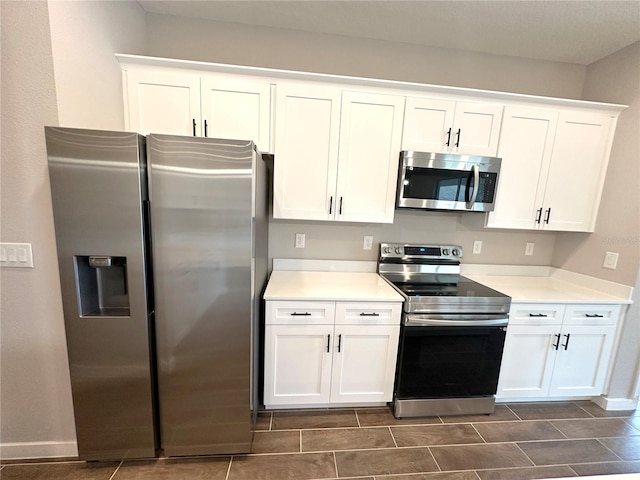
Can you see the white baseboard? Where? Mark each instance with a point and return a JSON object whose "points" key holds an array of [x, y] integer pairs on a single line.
{"points": [[31, 450], [615, 404]]}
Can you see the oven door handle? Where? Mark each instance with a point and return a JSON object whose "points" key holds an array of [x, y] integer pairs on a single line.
{"points": [[488, 321]]}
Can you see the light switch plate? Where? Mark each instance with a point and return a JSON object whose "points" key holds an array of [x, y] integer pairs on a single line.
{"points": [[368, 242], [477, 246], [16, 255], [610, 260], [300, 240]]}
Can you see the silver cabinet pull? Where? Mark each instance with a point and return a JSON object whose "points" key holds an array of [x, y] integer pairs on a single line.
{"points": [[546, 218], [458, 139], [566, 345], [339, 342], [374, 314], [296, 314], [328, 342], [557, 344], [537, 315], [448, 137], [595, 315]]}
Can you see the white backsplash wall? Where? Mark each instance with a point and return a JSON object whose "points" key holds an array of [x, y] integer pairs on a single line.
{"points": [[344, 241]]}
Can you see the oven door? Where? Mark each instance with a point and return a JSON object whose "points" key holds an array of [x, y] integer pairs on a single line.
{"points": [[446, 181], [447, 356]]}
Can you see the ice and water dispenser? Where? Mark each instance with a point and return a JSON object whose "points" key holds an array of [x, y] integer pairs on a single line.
{"points": [[101, 282]]}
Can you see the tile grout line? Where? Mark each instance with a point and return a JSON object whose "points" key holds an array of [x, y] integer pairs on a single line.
{"points": [[598, 440], [509, 407], [229, 468], [434, 459], [479, 434], [270, 421], [357, 418], [587, 412], [525, 454], [393, 437], [559, 431], [335, 463], [116, 470], [300, 446]]}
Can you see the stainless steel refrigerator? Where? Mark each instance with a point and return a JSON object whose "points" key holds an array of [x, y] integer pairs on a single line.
{"points": [[162, 250]]}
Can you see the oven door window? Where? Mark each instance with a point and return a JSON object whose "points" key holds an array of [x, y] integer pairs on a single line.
{"points": [[447, 185], [444, 362]]}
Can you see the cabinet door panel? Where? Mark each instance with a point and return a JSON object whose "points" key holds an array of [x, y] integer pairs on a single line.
{"points": [[364, 364], [426, 123], [297, 364], [238, 110], [306, 149], [526, 143], [163, 102], [370, 133], [581, 369], [479, 126], [527, 361], [577, 171]]}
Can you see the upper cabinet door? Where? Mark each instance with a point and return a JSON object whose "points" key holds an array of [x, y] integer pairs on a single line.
{"points": [[306, 152], [476, 129], [237, 109], [577, 171], [526, 143], [428, 124], [370, 136], [160, 102], [446, 126]]}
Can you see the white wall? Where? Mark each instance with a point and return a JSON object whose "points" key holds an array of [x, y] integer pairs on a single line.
{"points": [[76, 40]]}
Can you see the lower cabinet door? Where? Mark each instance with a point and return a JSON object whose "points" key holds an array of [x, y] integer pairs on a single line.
{"points": [[297, 364], [583, 360], [364, 363], [527, 361]]}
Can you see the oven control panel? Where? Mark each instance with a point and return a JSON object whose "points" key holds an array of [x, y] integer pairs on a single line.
{"points": [[427, 252]]}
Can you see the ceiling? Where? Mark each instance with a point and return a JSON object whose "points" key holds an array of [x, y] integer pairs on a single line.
{"points": [[576, 31]]}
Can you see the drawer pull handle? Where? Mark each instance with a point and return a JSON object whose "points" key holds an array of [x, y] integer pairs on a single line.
{"points": [[566, 345], [557, 344], [537, 315], [374, 314], [328, 342], [296, 314], [595, 315]]}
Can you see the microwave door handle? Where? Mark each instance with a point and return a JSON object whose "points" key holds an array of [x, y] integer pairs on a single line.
{"points": [[476, 180]]}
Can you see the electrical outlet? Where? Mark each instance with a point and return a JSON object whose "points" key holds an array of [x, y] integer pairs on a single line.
{"points": [[368, 242], [477, 246], [528, 249], [300, 240], [610, 260]]}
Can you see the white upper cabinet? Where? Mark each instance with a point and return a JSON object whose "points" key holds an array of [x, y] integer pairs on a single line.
{"points": [[526, 144], [553, 168], [306, 152], [336, 154], [369, 151], [237, 109], [445, 126], [577, 171], [162, 101]]}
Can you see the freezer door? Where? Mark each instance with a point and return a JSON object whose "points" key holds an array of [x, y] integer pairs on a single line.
{"points": [[97, 186], [201, 221]]}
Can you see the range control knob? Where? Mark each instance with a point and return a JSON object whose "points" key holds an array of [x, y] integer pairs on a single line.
{"points": [[445, 251], [387, 250], [455, 252], [398, 250]]}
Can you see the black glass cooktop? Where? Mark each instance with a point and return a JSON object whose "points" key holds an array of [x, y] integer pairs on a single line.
{"points": [[464, 288]]}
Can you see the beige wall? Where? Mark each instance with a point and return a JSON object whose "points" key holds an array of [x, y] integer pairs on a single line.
{"points": [[193, 39], [57, 69], [614, 79]]}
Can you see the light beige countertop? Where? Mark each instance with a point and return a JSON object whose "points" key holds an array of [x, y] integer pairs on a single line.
{"points": [[330, 286]]}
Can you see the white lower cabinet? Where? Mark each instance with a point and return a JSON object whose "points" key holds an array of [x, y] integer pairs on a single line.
{"points": [[553, 350], [307, 363]]}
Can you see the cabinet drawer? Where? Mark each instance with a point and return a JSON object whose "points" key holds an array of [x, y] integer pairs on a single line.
{"points": [[536, 314], [592, 314], [348, 313], [300, 313]]}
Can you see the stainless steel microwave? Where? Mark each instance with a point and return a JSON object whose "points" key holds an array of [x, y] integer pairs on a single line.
{"points": [[441, 181]]}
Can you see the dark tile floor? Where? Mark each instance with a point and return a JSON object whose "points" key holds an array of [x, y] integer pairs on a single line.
{"points": [[517, 442]]}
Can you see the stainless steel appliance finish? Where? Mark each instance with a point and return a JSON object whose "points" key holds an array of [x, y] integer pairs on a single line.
{"points": [[452, 332], [194, 245], [439, 181], [202, 206], [98, 188]]}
